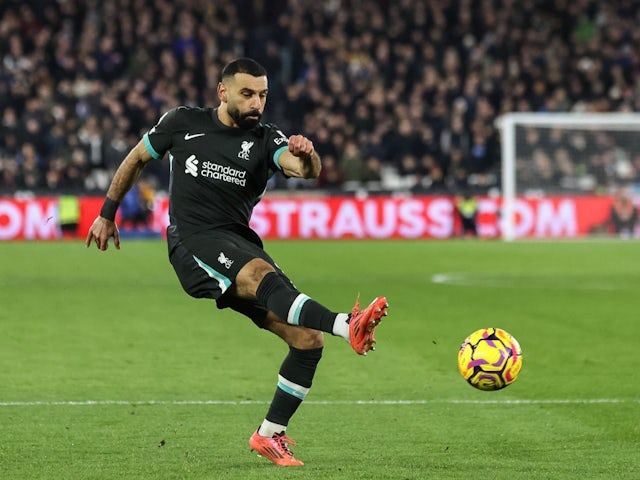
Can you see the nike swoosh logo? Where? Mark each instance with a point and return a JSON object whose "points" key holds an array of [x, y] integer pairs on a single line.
{"points": [[188, 136]]}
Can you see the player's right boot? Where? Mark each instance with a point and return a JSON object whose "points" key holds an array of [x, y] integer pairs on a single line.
{"points": [[275, 448], [363, 323]]}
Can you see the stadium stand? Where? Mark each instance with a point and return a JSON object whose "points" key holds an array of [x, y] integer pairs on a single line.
{"points": [[397, 95]]}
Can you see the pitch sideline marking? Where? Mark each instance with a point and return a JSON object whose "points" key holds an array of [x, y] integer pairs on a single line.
{"points": [[464, 279], [568, 401]]}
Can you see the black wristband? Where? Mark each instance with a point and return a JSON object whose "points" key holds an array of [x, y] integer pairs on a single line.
{"points": [[109, 208]]}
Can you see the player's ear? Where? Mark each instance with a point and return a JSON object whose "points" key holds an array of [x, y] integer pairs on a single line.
{"points": [[222, 92]]}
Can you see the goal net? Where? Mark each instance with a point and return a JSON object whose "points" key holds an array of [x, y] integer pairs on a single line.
{"points": [[568, 155]]}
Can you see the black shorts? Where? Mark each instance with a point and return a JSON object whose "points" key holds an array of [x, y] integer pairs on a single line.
{"points": [[207, 266]]}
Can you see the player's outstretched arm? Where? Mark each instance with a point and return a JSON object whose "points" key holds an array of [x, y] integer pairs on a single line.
{"points": [[301, 160], [104, 226]]}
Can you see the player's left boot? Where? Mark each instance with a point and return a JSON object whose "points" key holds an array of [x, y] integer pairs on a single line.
{"points": [[275, 448], [363, 323]]}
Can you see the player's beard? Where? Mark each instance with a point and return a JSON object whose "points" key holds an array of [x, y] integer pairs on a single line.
{"points": [[242, 120]]}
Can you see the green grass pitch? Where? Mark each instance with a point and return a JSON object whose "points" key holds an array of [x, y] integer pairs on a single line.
{"points": [[109, 371]]}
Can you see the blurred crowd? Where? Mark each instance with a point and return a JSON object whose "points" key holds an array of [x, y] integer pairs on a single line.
{"points": [[395, 94]]}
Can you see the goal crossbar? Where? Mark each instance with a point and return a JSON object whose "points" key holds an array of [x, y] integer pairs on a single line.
{"points": [[507, 125]]}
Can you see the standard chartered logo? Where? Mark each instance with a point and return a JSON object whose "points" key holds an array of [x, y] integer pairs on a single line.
{"points": [[216, 172], [192, 166]]}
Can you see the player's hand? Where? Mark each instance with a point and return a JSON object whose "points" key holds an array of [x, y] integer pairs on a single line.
{"points": [[101, 231], [300, 146]]}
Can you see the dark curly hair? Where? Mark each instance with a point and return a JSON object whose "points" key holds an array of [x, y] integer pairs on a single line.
{"points": [[243, 65]]}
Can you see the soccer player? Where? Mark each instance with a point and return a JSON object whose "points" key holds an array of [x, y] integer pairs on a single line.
{"points": [[221, 160]]}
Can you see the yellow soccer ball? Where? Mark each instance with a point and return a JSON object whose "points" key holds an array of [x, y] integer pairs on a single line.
{"points": [[490, 359]]}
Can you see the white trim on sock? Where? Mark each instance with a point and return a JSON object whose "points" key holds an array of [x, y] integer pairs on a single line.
{"points": [[268, 429], [291, 388], [294, 311], [341, 327]]}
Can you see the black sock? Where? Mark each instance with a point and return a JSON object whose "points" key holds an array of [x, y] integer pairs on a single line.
{"points": [[294, 380], [293, 307]]}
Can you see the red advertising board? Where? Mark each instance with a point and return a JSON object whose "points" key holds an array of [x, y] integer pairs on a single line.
{"points": [[29, 219], [422, 217], [342, 217]]}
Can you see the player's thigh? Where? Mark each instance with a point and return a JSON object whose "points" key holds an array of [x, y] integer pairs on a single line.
{"points": [[249, 307], [208, 268], [196, 279]]}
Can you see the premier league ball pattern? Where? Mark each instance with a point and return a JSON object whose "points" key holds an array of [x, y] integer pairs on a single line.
{"points": [[490, 359]]}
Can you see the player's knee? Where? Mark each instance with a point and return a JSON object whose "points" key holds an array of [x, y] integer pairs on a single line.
{"points": [[250, 276], [306, 339]]}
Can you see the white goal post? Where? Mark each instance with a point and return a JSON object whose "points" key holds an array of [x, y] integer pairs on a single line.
{"points": [[612, 126]]}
